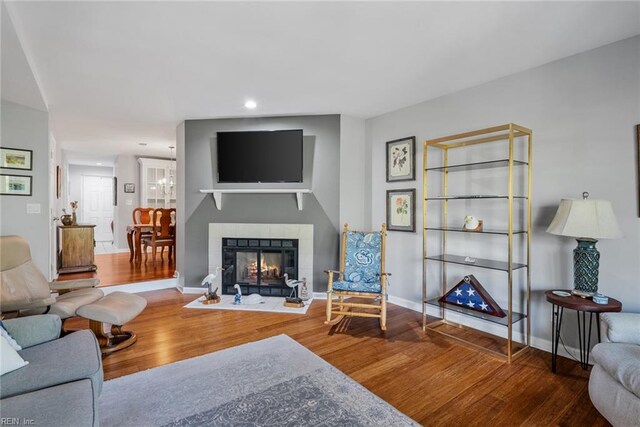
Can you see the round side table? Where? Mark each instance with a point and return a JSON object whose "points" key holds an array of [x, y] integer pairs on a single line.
{"points": [[580, 305]]}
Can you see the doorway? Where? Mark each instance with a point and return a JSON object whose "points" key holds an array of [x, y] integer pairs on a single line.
{"points": [[97, 205]]}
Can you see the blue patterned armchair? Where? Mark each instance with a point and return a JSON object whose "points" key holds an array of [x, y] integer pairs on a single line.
{"points": [[361, 275]]}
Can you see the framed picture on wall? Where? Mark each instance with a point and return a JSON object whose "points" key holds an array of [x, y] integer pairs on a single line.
{"points": [[15, 185], [129, 187], [401, 210], [14, 158], [638, 164], [401, 159], [115, 191], [58, 182]]}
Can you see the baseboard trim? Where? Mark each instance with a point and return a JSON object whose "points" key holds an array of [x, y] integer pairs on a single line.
{"points": [[133, 288], [190, 290], [501, 331]]}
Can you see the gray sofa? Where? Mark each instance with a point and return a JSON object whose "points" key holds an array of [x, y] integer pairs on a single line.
{"points": [[614, 385], [62, 382]]}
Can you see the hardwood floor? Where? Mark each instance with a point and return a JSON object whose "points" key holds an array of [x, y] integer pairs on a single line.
{"points": [[434, 380], [115, 269]]}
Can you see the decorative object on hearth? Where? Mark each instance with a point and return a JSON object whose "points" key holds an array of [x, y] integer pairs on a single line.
{"points": [[74, 208], [470, 294], [401, 210], [471, 223], [293, 302], [293, 284], [304, 290], [237, 299], [587, 221], [251, 299], [211, 297], [208, 281], [401, 160]]}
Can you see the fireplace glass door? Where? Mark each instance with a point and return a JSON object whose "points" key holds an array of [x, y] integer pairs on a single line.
{"points": [[259, 265], [247, 267]]}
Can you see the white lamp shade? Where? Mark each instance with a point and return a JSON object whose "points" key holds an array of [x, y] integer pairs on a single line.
{"points": [[589, 219]]}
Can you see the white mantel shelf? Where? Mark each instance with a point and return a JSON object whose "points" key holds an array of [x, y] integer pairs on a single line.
{"points": [[217, 193]]}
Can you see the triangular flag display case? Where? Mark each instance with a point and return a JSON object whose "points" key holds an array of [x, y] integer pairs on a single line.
{"points": [[470, 294], [486, 173]]}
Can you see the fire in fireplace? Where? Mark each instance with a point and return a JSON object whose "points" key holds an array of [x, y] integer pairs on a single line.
{"points": [[258, 265]]}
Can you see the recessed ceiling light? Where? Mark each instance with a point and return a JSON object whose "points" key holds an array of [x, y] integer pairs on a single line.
{"points": [[99, 164], [250, 104]]}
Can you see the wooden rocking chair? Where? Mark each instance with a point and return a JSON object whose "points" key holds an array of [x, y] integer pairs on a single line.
{"points": [[361, 275]]}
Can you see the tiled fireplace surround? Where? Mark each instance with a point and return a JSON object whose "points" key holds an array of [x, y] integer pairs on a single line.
{"points": [[302, 232]]}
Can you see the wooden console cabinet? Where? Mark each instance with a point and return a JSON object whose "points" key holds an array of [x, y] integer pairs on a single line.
{"points": [[75, 248]]}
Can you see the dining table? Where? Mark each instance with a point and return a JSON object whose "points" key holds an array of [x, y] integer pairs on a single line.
{"points": [[134, 233]]}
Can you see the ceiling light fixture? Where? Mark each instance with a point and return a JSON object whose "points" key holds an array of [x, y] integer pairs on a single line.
{"points": [[99, 164], [250, 104]]}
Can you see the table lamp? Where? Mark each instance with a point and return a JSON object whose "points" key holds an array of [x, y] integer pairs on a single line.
{"points": [[587, 221]]}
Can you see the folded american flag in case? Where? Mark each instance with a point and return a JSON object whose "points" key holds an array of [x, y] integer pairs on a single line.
{"points": [[470, 294]]}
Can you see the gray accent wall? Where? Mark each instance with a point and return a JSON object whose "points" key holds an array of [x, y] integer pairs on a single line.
{"points": [[582, 110], [321, 174]]}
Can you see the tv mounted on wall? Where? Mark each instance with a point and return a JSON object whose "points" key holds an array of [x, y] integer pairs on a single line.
{"points": [[260, 156]]}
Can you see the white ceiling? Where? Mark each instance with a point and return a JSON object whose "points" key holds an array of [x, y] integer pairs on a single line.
{"points": [[118, 73]]}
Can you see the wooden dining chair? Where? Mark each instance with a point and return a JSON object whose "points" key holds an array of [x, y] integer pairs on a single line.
{"points": [[162, 234], [142, 215]]}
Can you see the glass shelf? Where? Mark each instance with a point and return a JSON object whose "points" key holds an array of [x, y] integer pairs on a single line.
{"points": [[479, 262], [460, 229], [474, 196], [516, 317], [477, 165]]}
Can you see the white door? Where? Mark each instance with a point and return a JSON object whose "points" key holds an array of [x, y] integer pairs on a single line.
{"points": [[97, 205]]}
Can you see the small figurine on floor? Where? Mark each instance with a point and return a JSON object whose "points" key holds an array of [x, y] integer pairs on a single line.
{"points": [[237, 299]]}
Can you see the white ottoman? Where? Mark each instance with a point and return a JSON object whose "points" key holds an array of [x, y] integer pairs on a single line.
{"points": [[107, 315]]}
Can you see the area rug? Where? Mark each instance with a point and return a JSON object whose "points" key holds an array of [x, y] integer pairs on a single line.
{"points": [[271, 304], [272, 382]]}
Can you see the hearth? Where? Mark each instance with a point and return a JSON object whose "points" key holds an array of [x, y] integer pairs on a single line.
{"points": [[258, 265]]}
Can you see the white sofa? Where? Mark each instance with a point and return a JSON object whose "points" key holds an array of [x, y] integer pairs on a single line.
{"points": [[614, 385]]}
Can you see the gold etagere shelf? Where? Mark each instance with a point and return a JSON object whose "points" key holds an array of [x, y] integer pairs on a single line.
{"points": [[513, 134]]}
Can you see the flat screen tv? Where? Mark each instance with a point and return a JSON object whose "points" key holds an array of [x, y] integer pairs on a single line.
{"points": [[260, 156]]}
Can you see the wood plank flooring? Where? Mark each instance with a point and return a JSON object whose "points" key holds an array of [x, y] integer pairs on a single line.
{"points": [[430, 378], [115, 269]]}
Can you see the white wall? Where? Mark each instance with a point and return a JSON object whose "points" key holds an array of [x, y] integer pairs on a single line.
{"points": [[582, 110], [352, 172]]}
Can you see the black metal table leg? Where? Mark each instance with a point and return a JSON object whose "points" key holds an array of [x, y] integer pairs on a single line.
{"points": [[584, 338], [556, 323]]}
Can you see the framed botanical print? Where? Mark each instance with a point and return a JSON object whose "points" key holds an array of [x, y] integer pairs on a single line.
{"points": [[401, 159], [15, 185], [14, 158], [401, 210]]}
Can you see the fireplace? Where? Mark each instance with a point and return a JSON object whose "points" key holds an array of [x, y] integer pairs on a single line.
{"points": [[258, 265]]}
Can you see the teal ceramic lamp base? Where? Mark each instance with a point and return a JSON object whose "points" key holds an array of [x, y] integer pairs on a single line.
{"points": [[586, 261]]}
